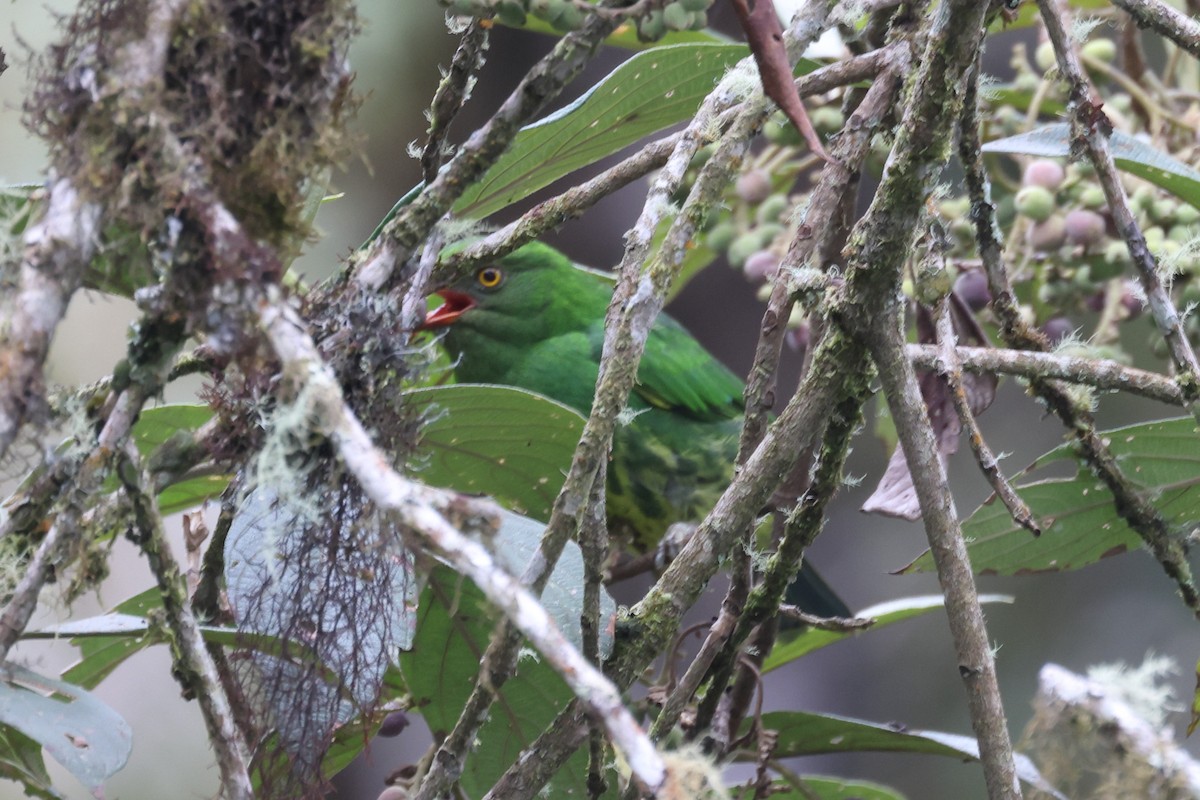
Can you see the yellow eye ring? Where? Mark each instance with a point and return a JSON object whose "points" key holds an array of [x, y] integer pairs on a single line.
{"points": [[490, 277]]}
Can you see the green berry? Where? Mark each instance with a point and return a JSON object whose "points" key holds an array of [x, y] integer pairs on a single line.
{"points": [[511, 12], [1035, 202], [651, 27], [1154, 237], [827, 119], [767, 233], [1187, 214], [721, 236], [676, 17], [1044, 56], [1162, 211], [1182, 234], [569, 18], [772, 208], [1092, 197], [1100, 49], [742, 248], [1142, 198]]}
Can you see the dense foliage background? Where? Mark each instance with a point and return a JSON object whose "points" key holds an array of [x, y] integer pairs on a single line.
{"points": [[1116, 610]]}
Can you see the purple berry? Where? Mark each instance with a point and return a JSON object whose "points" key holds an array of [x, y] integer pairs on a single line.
{"points": [[972, 287], [1045, 173], [1083, 227], [1057, 328]]}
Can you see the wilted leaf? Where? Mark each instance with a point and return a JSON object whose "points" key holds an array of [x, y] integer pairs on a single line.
{"points": [[78, 731]]}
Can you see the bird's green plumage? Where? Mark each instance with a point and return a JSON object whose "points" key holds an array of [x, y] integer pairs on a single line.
{"points": [[541, 327]]}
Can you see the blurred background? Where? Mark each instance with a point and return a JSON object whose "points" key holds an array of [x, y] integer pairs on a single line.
{"points": [[1119, 610]]}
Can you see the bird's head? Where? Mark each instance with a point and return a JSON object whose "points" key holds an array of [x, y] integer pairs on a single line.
{"points": [[534, 287]]}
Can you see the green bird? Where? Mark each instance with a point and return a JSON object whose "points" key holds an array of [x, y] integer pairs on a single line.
{"points": [[535, 320]]}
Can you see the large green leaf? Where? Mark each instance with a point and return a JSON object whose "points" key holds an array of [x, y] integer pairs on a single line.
{"points": [[1131, 155], [805, 734], [455, 624], [801, 642], [1080, 524], [508, 443], [647, 93], [78, 731]]}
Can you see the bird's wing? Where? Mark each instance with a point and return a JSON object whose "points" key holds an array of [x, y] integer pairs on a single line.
{"points": [[677, 374]]}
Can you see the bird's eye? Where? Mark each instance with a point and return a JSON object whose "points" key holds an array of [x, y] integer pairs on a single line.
{"points": [[489, 277]]}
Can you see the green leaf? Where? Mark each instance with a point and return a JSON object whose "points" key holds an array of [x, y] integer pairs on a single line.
{"points": [[1131, 155], [805, 734], [105, 641], [824, 788], [21, 761], [191, 493], [455, 624], [625, 35], [647, 93], [794, 644], [78, 731], [1008, 95], [156, 425], [1027, 15], [1080, 524], [508, 443]]}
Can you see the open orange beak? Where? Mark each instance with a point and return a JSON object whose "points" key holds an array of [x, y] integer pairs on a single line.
{"points": [[456, 304]]}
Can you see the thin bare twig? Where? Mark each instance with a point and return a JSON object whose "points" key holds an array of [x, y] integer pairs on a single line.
{"points": [[950, 369], [451, 94], [375, 265]]}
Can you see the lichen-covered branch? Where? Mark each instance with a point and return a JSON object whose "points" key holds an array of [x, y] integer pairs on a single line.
{"points": [[194, 666], [871, 308], [1103, 374], [1162, 18]]}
